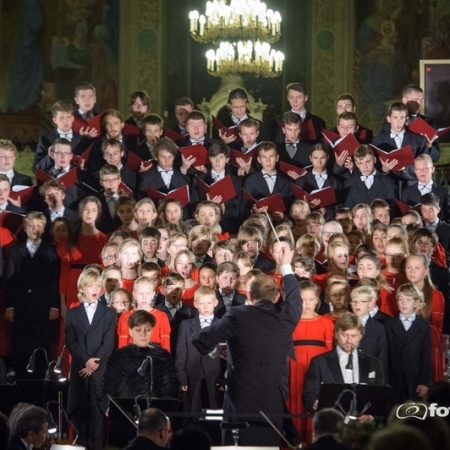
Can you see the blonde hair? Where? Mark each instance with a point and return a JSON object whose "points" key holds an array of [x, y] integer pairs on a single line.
{"points": [[308, 240], [410, 290], [364, 290], [88, 278], [130, 242], [203, 291], [198, 231]]}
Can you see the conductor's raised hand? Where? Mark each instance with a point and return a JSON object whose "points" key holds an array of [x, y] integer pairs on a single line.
{"points": [[285, 255]]}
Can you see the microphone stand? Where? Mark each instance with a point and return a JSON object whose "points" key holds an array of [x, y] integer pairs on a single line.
{"points": [[142, 371]]}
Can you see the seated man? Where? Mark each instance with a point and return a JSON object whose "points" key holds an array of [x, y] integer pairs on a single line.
{"points": [[344, 364]]}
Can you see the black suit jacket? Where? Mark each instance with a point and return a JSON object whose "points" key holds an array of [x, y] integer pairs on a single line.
{"points": [[301, 157], [357, 192], [21, 179], [142, 443], [381, 317], [257, 187], [277, 135], [220, 309], [41, 159], [184, 313], [152, 178], [409, 357], [264, 134], [193, 368], [412, 196], [417, 142], [85, 341], [106, 223], [361, 130], [325, 368], [72, 217], [259, 339], [16, 444], [327, 443], [374, 343], [440, 277], [443, 232], [264, 263]]}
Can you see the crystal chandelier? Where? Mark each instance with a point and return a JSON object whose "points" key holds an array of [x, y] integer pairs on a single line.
{"points": [[242, 30]]}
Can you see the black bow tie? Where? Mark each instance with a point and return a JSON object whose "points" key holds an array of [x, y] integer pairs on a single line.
{"points": [[57, 172], [200, 260], [266, 175], [208, 321]]}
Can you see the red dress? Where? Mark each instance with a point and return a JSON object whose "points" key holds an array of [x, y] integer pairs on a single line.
{"points": [[312, 337], [73, 261], [321, 280], [128, 283], [439, 255], [188, 294], [160, 333], [387, 302], [278, 277], [436, 320]]}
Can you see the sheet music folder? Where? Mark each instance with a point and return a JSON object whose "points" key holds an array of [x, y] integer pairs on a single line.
{"points": [[379, 397]]}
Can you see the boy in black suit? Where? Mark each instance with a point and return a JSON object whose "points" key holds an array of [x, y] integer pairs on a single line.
{"points": [[6, 204], [62, 113], [196, 128], [153, 129], [85, 98], [149, 238], [269, 181], [397, 137], [197, 373], [32, 297], [424, 169], [226, 293], [183, 106], [374, 341], [293, 150], [297, 97], [409, 337], [175, 309], [54, 193], [371, 184], [89, 334], [7, 159]]}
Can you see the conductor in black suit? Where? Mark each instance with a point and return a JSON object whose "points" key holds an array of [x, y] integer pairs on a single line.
{"points": [[344, 364], [259, 338]]}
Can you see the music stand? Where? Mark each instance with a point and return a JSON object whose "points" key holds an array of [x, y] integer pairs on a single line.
{"points": [[372, 400]]}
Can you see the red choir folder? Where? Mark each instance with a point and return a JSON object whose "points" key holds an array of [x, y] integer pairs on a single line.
{"points": [[224, 188], [349, 143], [404, 156], [231, 131], [24, 194], [181, 194], [403, 207], [420, 126], [251, 155], [274, 202], [198, 151], [327, 196], [168, 133], [131, 130], [68, 179], [126, 190], [84, 156], [285, 168], [95, 122], [361, 135], [12, 221], [134, 162], [330, 137], [308, 132]]}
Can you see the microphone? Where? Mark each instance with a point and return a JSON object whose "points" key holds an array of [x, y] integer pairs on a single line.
{"points": [[142, 371], [349, 365]]}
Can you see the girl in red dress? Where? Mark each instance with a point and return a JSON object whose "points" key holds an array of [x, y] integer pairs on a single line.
{"points": [[83, 247], [143, 293], [378, 240], [130, 255], [312, 336], [417, 272], [170, 211], [185, 265]]}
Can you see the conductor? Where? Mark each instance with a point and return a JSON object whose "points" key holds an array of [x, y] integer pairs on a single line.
{"points": [[259, 338]]}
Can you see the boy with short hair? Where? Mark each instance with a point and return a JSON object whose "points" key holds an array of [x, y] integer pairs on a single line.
{"points": [[371, 184], [199, 240], [152, 271], [269, 181], [109, 255], [409, 339], [248, 132], [153, 129], [196, 128], [196, 372], [112, 279], [183, 106], [85, 98], [223, 251], [207, 275], [32, 297], [381, 211], [62, 113], [251, 241], [149, 238], [293, 150], [374, 341], [226, 293], [8, 153], [173, 307], [231, 211]]}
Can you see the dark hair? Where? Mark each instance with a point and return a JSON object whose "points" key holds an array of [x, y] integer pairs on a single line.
{"points": [[346, 97], [150, 232], [27, 418], [141, 317], [327, 421], [74, 236], [191, 437], [264, 287], [290, 118], [237, 93], [430, 199], [4, 431], [183, 101], [398, 106], [165, 144], [152, 420], [111, 142], [299, 87], [219, 148], [142, 95], [84, 87]]}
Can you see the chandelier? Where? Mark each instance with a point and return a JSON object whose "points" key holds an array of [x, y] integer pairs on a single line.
{"points": [[242, 30], [244, 57]]}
